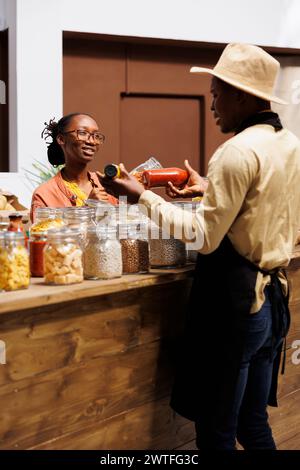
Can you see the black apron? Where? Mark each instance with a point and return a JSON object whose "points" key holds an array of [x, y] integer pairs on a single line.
{"points": [[210, 352]]}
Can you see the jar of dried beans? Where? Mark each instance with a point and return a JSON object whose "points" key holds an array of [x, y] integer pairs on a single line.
{"points": [[135, 247], [63, 257], [102, 254]]}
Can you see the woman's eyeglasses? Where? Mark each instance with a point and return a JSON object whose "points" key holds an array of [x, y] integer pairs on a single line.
{"points": [[84, 136]]}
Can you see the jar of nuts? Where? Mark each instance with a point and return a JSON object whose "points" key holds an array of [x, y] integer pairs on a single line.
{"points": [[135, 247], [102, 257], [14, 262], [63, 257]]}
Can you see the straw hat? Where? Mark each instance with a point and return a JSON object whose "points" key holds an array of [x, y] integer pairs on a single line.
{"points": [[248, 68]]}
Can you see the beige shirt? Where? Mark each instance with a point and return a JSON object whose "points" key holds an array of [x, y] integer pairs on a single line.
{"points": [[253, 196]]}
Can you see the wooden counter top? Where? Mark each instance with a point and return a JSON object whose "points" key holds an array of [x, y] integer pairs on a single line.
{"points": [[38, 294]]}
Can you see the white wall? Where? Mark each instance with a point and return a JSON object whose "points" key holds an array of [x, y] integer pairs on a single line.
{"points": [[2, 14], [35, 48]]}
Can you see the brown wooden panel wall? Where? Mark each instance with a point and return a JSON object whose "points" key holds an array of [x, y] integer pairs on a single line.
{"points": [[4, 147], [133, 88]]}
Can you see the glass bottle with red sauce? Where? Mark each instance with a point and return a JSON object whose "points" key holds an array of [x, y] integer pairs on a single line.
{"points": [[161, 176], [16, 225]]}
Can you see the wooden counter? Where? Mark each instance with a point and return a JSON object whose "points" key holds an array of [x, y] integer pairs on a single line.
{"points": [[90, 366]]}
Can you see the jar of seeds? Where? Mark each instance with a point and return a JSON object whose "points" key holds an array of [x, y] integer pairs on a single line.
{"points": [[63, 257], [165, 250], [102, 257], [135, 247]]}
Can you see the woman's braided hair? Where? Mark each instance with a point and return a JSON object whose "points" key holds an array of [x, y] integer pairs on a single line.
{"points": [[52, 130]]}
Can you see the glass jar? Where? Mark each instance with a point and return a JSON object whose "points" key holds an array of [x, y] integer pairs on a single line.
{"points": [[14, 262], [191, 253], [135, 247], [46, 218], [63, 257], [37, 243], [103, 211], [165, 250], [102, 257], [79, 218]]}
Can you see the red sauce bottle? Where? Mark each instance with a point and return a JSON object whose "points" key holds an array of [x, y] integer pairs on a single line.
{"points": [[37, 243], [160, 177]]}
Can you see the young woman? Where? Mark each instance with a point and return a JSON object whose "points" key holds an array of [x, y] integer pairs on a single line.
{"points": [[75, 141]]}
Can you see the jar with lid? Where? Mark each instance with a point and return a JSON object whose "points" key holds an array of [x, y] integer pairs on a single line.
{"points": [[103, 211], [191, 253], [63, 257], [165, 250], [135, 247], [102, 257], [14, 262], [46, 218], [79, 218]]}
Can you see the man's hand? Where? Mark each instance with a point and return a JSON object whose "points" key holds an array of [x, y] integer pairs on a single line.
{"points": [[195, 186], [126, 185]]}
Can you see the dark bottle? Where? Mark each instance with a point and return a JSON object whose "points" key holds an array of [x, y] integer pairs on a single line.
{"points": [[112, 171]]}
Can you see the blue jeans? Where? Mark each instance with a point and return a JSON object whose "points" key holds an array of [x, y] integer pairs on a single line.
{"points": [[248, 422]]}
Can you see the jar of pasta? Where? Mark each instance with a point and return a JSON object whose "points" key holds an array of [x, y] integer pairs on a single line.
{"points": [[102, 254], [14, 262], [63, 257], [46, 218]]}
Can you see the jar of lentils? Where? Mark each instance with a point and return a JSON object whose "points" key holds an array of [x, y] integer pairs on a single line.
{"points": [[63, 257], [102, 257], [135, 247]]}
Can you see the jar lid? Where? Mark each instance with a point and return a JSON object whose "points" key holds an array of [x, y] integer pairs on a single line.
{"points": [[46, 211], [96, 203], [80, 213], [103, 229], [64, 232], [13, 235]]}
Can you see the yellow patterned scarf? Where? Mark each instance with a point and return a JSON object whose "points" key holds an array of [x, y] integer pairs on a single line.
{"points": [[75, 189]]}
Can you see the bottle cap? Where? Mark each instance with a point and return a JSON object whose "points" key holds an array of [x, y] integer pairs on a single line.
{"points": [[112, 171]]}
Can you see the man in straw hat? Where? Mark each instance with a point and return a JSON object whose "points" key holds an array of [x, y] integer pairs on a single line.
{"points": [[238, 312]]}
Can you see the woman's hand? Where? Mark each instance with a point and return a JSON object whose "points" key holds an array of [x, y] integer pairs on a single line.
{"points": [[195, 186], [126, 185], [98, 194]]}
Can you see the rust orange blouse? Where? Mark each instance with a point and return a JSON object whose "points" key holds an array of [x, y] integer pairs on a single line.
{"points": [[54, 193]]}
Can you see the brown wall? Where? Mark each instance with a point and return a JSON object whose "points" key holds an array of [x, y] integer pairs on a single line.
{"points": [[4, 157], [144, 98]]}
